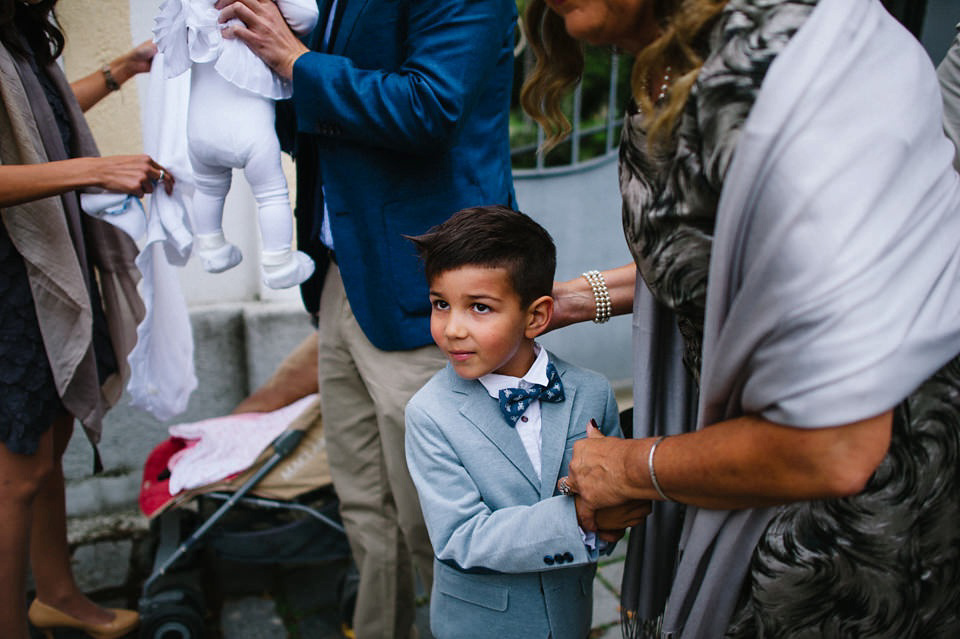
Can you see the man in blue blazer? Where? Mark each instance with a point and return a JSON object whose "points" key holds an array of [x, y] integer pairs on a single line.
{"points": [[401, 112]]}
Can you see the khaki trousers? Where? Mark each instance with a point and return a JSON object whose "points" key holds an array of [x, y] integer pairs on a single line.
{"points": [[363, 393]]}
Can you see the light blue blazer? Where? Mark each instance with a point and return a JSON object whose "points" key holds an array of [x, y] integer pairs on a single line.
{"points": [[510, 559]]}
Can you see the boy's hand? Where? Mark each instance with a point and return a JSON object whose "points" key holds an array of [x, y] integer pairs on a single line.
{"points": [[623, 516], [586, 516], [610, 523]]}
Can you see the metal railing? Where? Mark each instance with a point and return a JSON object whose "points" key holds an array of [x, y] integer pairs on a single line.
{"points": [[610, 127]]}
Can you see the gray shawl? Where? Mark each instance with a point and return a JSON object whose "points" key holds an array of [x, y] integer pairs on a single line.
{"points": [[49, 234], [834, 283]]}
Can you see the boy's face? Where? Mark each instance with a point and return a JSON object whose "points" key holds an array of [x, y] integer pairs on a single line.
{"points": [[478, 322]]}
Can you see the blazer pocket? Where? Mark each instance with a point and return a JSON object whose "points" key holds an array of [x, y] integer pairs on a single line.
{"points": [[472, 589]]}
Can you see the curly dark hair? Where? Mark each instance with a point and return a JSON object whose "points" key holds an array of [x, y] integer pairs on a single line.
{"points": [[559, 63], [27, 28]]}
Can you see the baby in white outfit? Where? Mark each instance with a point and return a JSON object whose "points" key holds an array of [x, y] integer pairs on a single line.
{"points": [[230, 124]]}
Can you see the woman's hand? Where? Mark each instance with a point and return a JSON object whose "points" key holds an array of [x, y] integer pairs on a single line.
{"points": [[132, 174], [599, 468], [265, 31], [745, 462], [137, 60]]}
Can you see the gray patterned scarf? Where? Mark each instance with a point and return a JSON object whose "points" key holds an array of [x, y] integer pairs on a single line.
{"points": [[834, 285]]}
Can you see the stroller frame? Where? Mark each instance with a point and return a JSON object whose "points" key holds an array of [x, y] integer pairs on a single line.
{"points": [[171, 605]]}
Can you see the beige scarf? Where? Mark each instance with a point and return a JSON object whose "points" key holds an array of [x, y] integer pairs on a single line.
{"points": [[49, 234]]}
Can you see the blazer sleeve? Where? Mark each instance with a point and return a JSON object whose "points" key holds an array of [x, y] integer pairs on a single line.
{"points": [[465, 532], [451, 49]]}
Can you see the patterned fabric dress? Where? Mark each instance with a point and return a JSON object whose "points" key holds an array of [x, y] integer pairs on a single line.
{"points": [[886, 562]]}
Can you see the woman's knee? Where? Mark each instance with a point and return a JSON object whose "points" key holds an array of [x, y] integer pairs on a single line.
{"points": [[22, 476], [21, 482]]}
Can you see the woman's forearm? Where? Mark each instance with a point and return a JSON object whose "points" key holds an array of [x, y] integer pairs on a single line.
{"points": [[28, 182], [741, 463], [574, 300], [295, 377], [130, 174], [92, 88]]}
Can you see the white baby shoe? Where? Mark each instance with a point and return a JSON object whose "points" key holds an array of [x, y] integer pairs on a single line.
{"points": [[215, 253], [283, 269]]}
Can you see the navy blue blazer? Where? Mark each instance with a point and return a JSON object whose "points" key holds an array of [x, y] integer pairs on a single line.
{"points": [[403, 123]]}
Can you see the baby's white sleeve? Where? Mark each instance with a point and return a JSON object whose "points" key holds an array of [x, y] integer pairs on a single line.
{"points": [[301, 15]]}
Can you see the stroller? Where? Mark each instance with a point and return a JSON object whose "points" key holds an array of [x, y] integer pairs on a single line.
{"points": [[279, 510]]}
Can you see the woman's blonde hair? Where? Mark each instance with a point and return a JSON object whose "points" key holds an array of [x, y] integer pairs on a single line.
{"points": [[559, 64]]}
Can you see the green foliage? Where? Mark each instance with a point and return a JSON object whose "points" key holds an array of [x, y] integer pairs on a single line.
{"points": [[594, 110]]}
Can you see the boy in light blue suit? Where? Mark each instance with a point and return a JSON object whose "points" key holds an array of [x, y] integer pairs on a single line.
{"points": [[488, 437]]}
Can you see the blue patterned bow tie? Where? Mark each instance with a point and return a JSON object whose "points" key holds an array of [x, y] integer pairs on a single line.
{"points": [[515, 401]]}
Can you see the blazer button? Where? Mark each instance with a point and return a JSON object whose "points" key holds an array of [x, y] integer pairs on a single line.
{"points": [[548, 560], [568, 556], [559, 558]]}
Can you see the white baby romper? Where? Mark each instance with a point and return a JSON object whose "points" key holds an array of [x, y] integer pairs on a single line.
{"points": [[230, 124]]}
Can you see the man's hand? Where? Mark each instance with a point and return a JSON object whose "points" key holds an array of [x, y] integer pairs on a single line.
{"points": [[262, 28]]}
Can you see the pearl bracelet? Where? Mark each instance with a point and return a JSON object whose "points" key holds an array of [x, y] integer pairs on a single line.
{"points": [[601, 295], [653, 473]]}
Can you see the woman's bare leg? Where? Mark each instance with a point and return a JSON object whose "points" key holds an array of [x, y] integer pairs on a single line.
{"points": [[49, 553], [21, 478]]}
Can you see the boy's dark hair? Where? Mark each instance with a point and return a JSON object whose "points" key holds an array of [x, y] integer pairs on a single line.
{"points": [[492, 236]]}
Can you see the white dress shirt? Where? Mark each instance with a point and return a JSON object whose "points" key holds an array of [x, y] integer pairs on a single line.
{"points": [[528, 426]]}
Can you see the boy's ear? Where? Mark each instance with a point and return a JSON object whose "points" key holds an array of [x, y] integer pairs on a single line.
{"points": [[539, 314]]}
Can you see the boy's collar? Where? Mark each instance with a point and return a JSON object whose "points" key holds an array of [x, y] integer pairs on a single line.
{"points": [[537, 374]]}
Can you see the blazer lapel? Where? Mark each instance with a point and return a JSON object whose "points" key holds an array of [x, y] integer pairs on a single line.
{"points": [[315, 40], [554, 430], [351, 12], [482, 411]]}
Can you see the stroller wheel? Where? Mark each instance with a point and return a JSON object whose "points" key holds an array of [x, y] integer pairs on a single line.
{"points": [[171, 615]]}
